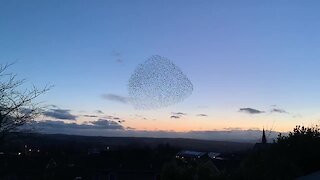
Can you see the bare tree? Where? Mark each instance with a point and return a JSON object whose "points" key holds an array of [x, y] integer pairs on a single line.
{"points": [[17, 104]]}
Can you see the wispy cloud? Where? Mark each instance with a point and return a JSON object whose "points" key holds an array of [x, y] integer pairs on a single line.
{"points": [[179, 113], [202, 115], [277, 110], [60, 114], [250, 111], [116, 98], [91, 116], [175, 117]]}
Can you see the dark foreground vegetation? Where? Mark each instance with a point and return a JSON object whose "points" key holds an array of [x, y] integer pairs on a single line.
{"points": [[35, 156]]}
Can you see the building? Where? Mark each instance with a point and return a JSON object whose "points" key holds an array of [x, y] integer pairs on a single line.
{"points": [[190, 155], [263, 144]]}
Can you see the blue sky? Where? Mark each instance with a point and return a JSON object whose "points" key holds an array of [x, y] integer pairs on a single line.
{"points": [[237, 54]]}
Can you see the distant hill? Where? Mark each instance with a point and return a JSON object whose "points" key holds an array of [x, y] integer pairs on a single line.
{"points": [[85, 142]]}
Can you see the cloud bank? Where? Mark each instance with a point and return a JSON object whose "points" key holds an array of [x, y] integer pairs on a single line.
{"points": [[104, 127], [51, 126], [60, 114]]}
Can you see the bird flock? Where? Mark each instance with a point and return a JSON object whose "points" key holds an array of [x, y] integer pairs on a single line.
{"points": [[157, 83]]}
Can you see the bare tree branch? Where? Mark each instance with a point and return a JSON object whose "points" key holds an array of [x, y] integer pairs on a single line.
{"points": [[17, 106]]}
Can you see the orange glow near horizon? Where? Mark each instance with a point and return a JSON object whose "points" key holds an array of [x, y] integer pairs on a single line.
{"points": [[186, 124]]}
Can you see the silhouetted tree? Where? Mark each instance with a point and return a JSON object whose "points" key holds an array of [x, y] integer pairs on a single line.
{"points": [[288, 157], [303, 147], [17, 106]]}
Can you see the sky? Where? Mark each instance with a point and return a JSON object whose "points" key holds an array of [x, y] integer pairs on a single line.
{"points": [[252, 64]]}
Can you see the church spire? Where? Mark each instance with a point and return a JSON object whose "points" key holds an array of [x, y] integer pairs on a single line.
{"points": [[264, 139]]}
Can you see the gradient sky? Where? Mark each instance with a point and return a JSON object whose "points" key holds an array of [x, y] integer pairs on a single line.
{"points": [[262, 55]]}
